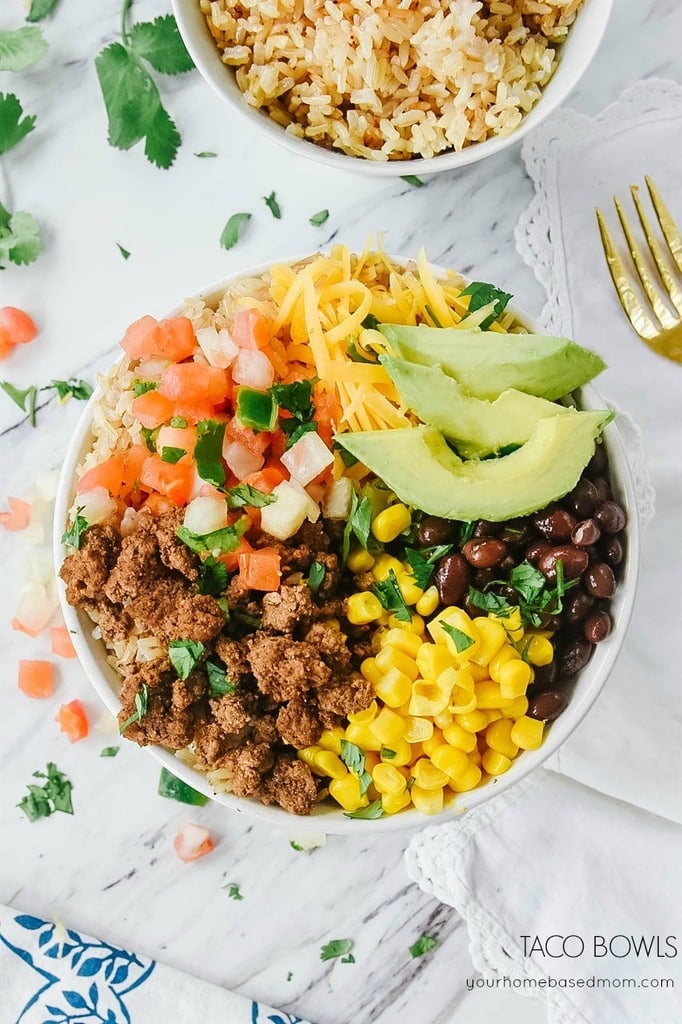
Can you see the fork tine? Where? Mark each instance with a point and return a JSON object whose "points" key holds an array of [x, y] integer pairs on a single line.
{"points": [[664, 315], [669, 282], [634, 310], [668, 226]]}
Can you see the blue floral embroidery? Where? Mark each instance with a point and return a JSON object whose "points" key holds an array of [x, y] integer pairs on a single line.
{"points": [[257, 1017], [94, 978]]}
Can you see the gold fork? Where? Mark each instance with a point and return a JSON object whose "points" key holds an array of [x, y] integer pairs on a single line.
{"points": [[656, 326]]}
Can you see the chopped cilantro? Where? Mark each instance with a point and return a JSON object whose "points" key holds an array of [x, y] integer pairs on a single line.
{"points": [[390, 597], [423, 945], [273, 206], [26, 400], [72, 388], [370, 323], [489, 602], [466, 532], [297, 434], [109, 751], [527, 581], [232, 230], [21, 47], [358, 524], [20, 240], [40, 9], [205, 154], [481, 294], [369, 813], [412, 179], [297, 399], [12, 128], [172, 455], [387, 754], [295, 846], [218, 683], [217, 543], [208, 451], [318, 219], [184, 655], [461, 640], [336, 948], [316, 576], [174, 788], [350, 959], [179, 422], [125, 253], [141, 387], [535, 597], [141, 702], [423, 562], [149, 436], [53, 795], [290, 975], [233, 891], [73, 536], [245, 494], [213, 577], [354, 760]]}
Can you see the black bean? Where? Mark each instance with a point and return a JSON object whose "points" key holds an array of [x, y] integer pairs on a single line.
{"points": [[577, 606], [612, 550], [610, 516], [536, 550], [574, 657], [603, 488], [574, 561], [547, 706], [555, 525], [482, 577], [452, 578], [485, 553], [516, 533], [434, 530], [483, 528], [585, 533], [597, 627], [544, 677], [583, 498], [599, 580], [599, 461]]}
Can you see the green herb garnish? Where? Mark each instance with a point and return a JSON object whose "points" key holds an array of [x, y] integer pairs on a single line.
{"points": [[109, 751], [12, 127], [273, 206], [423, 562], [466, 532], [481, 294], [72, 388], [350, 959], [218, 542], [336, 948], [295, 846], [316, 576], [125, 253], [319, 218], [205, 154], [423, 945], [184, 655], [218, 683], [40, 9], [358, 524], [73, 536], [174, 788], [296, 399], [149, 436], [232, 230], [413, 180], [245, 494], [233, 891], [172, 455], [179, 422], [369, 813], [26, 400], [390, 597], [462, 641], [20, 48], [141, 702], [20, 240], [213, 577], [489, 602], [387, 754], [297, 434], [54, 794], [208, 451], [354, 760]]}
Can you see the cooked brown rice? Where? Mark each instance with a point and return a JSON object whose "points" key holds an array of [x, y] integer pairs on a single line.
{"points": [[392, 79]]}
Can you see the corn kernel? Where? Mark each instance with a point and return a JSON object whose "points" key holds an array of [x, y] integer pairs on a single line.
{"points": [[475, 756], [415, 625], [493, 715], [330, 764], [394, 688], [389, 727], [435, 740], [458, 618], [417, 751], [427, 776], [450, 760], [498, 738], [478, 672], [458, 737], [362, 608], [514, 678], [362, 736], [489, 695], [428, 602], [392, 804], [371, 671], [408, 588], [418, 730], [359, 560], [372, 759], [390, 523], [527, 732], [494, 763], [403, 640], [473, 721], [402, 753], [383, 565], [462, 696], [388, 779], [432, 659], [308, 755], [443, 719], [505, 654], [391, 657], [427, 801], [515, 708], [492, 636], [331, 739], [365, 716], [428, 698], [469, 779], [539, 651], [346, 791]]}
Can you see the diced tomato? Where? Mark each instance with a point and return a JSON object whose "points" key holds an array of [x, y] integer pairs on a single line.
{"points": [[231, 558], [152, 409], [108, 474], [61, 643], [192, 842], [251, 329], [175, 338], [175, 482], [265, 479], [139, 341], [260, 570], [17, 326], [19, 515], [6, 346], [36, 678], [327, 413], [278, 443], [72, 720], [195, 384], [177, 437], [255, 443], [133, 461], [157, 504]]}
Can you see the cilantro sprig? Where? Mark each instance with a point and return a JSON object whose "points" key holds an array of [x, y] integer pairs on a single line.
{"points": [[131, 97], [481, 294], [13, 125], [27, 398], [20, 240], [218, 683], [390, 597], [423, 945], [296, 399], [40, 9], [358, 524], [74, 535], [369, 813], [354, 760], [21, 47], [184, 656], [53, 795], [218, 542], [461, 640], [246, 494], [141, 704], [423, 562], [233, 229], [213, 577], [316, 576]]}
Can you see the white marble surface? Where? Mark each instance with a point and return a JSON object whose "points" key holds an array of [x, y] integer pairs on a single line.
{"points": [[110, 870]]}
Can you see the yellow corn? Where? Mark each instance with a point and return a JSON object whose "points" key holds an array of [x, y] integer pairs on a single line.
{"points": [[514, 679], [432, 659], [308, 755], [330, 764], [473, 721], [428, 698], [362, 608], [371, 671], [363, 737], [359, 560], [475, 755], [393, 687], [458, 737], [505, 654], [427, 776], [492, 636], [434, 741], [390, 523], [515, 708], [427, 801], [389, 727], [418, 730], [346, 791], [489, 695], [462, 694], [498, 738], [450, 760], [383, 565], [391, 657], [479, 672], [391, 803], [527, 732], [443, 719], [494, 763], [402, 640], [388, 779], [428, 602], [512, 623], [493, 714], [539, 651], [469, 779], [372, 759], [365, 716], [415, 625], [331, 739], [458, 618], [402, 753]]}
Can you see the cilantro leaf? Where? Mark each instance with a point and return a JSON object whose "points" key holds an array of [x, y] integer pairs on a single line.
{"points": [[350, 959], [179, 422], [295, 846], [390, 597], [273, 206], [109, 751], [412, 179], [205, 153], [231, 231], [40, 9], [12, 128], [318, 219], [246, 494], [141, 703], [218, 683], [423, 562], [369, 813], [213, 577], [72, 537], [184, 655], [296, 398], [172, 455], [72, 388], [20, 240], [387, 754], [301, 429], [466, 532], [54, 795], [141, 387], [354, 759], [21, 48], [233, 891], [423, 944], [160, 43], [316, 576], [174, 788], [461, 640], [217, 542], [489, 602], [26, 400], [208, 451], [35, 805], [336, 948], [125, 253], [527, 581], [481, 294]]}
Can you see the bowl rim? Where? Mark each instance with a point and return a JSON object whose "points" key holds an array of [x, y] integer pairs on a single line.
{"points": [[205, 55], [104, 679]]}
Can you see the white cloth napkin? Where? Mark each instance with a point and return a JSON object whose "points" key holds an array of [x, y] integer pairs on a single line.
{"points": [[53, 975], [552, 857]]}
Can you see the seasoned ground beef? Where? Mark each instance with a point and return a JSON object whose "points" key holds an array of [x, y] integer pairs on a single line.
{"points": [[346, 698], [286, 668], [292, 786], [235, 655], [86, 572], [287, 609], [299, 723]]}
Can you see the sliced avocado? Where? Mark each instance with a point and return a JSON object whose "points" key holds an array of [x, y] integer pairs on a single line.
{"points": [[475, 426], [486, 363], [425, 473]]}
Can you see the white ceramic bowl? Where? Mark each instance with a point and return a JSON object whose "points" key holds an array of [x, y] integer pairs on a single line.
{"points": [[575, 56], [326, 817]]}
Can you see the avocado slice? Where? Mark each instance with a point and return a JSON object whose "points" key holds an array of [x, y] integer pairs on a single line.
{"points": [[425, 473], [475, 426], [486, 363]]}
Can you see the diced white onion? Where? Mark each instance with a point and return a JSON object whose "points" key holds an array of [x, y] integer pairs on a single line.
{"points": [[241, 461], [287, 514], [337, 500], [128, 522], [35, 609], [253, 369], [307, 458], [151, 369], [204, 515], [217, 346], [96, 505]]}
